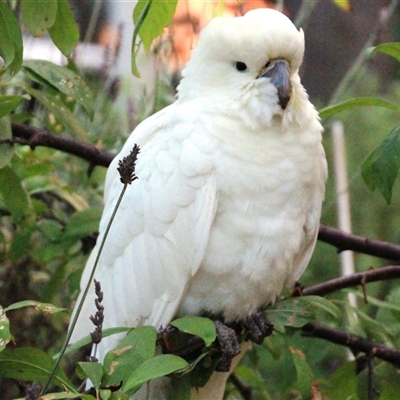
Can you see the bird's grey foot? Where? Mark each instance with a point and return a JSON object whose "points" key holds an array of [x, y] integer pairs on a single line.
{"points": [[258, 327], [228, 344]]}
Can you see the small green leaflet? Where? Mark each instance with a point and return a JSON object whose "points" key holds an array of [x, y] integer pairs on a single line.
{"points": [[155, 367], [391, 49], [8, 104], [63, 79], [5, 334], [65, 32], [6, 150], [356, 102], [46, 308], [381, 167], [31, 364], [39, 15], [91, 370], [149, 18], [199, 326], [10, 43]]}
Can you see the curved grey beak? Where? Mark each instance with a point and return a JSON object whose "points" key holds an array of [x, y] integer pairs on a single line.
{"points": [[279, 76]]}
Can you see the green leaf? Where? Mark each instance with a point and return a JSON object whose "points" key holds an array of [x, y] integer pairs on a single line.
{"points": [[150, 18], [5, 334], [31, 364], [343, 383], [9, 103], [356, 102], [62, 113], [381, 167], [21, 243], [6, 150], [391, 49], [39, 15], [63, 79], [155, 367], [199, 326], [293, 312], [83, 223], [135, 348], [64, 33], [325, 305], [49, 228], [66, 395], [305, 375], [10, 43], [46, 308], [91, 370], [14, 196]]}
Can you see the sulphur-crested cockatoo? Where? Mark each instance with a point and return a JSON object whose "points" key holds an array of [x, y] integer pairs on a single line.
{"points": [[226, 209]]}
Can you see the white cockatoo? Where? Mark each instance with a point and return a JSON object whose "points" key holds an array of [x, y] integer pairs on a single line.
{"points": [[226, 209]]}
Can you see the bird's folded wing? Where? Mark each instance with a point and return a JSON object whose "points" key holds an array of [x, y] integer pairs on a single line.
{"points": [[160, 232]]}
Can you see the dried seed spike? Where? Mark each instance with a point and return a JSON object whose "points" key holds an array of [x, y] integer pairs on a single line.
{"points": [[126, 166], [98, 318]]}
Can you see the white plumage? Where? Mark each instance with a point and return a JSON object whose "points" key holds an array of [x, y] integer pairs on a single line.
{"points": [[226, 209]]}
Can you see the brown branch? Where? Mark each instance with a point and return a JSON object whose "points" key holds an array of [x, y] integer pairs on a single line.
{"points": [[374, 349], [347, 241], [360, 278], [33, 137]]}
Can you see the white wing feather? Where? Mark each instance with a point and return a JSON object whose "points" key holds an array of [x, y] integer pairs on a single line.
{"points": [[158, 238]]}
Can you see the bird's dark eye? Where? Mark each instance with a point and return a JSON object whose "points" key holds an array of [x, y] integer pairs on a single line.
{"points": [[241, 66], [267, 64]]}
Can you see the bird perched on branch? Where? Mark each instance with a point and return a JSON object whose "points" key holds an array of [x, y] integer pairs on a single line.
{"points": [[226, 209]]}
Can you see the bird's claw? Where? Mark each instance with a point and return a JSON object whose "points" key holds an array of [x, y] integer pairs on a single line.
{"points": [[258, 327], [229, 345]]}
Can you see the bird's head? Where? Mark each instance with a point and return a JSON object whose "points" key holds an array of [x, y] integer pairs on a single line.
{"points": [[254, 59]]}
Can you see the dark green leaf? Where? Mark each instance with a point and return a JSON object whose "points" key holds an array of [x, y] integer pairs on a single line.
{"points": [[20, 244], [381, 167], [135, 348], [31, 364], [6, 150], [9, 103], [343, 384], [83, 223], [67, 395], [392, 49], [150, 18], [65, 80], [49, 228], [305, 375], [155, 367], [91, 370], [325, 305], [10, 43], [64, 33], [46, 308], [62, 113], [357, 102], [14, 196], [5, 334], [292, 312], [199, 326], [39, 15]]}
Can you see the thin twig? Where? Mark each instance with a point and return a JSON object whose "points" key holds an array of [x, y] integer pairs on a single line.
{"points": [[33, 137], [373, 275], [314, 329], [347, 241]]}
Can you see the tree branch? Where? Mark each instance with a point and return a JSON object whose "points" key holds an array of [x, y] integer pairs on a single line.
{"points": [[360, 278], [33, 137], [347, 241], [374, 349], [27, 135]]}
